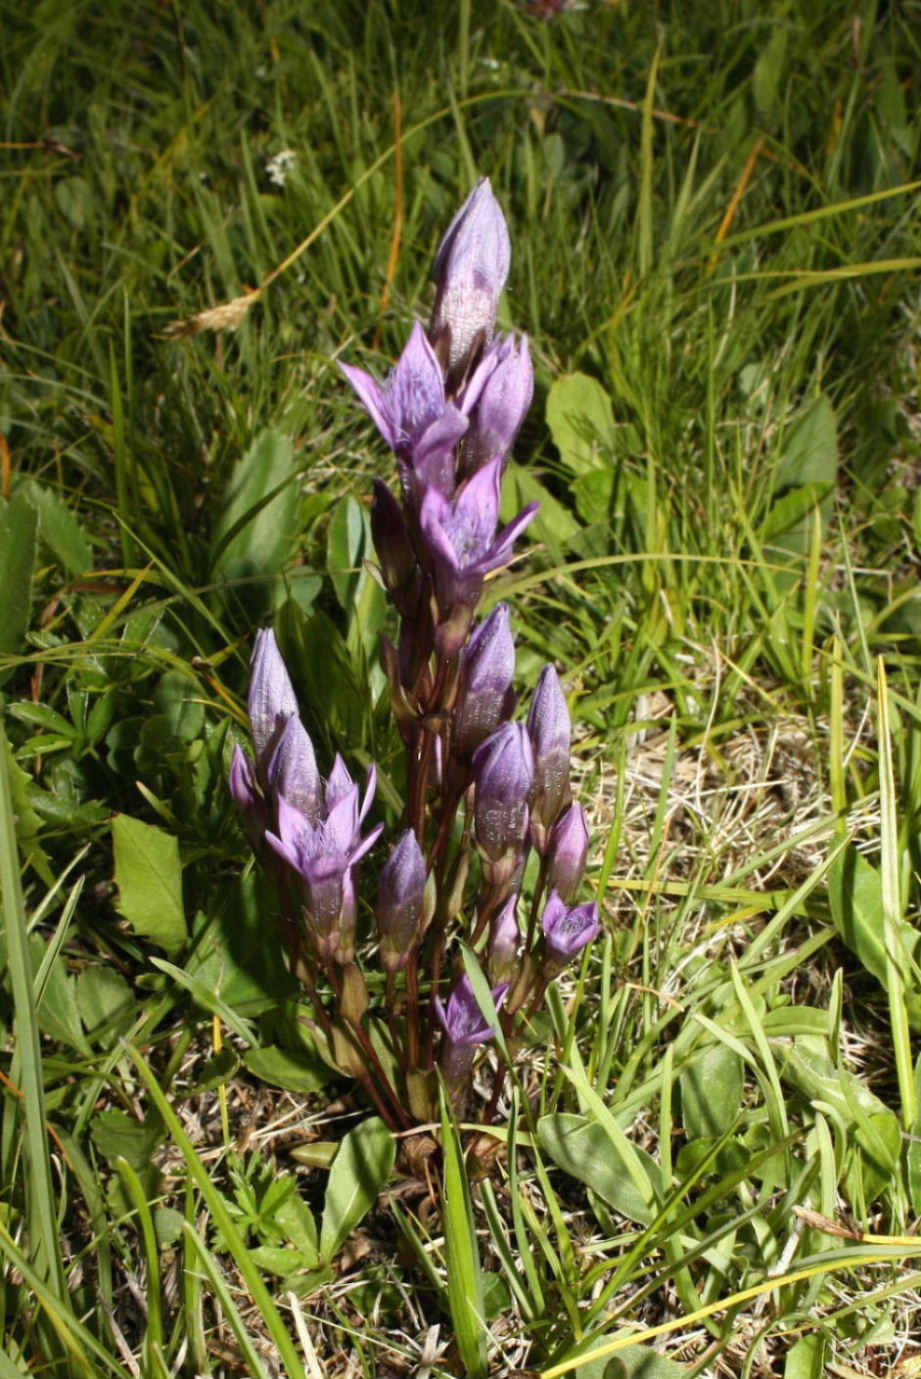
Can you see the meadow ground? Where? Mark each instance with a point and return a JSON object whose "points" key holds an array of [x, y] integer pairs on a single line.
{"points": [[710, 1161]]}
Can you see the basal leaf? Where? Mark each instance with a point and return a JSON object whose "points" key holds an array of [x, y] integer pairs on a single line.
{"points": [[583, 1149], [580, 417], [359, 1171], [18, 530]]}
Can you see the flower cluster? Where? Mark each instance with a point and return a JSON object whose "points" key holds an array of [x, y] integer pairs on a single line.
{"points": [[484, 790]]}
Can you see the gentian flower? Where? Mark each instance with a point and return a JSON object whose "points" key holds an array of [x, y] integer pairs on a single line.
{"points": [[470, 271], [496, 399], [567, 853], [566, 932], [486, 695], [464, 1030], [551, 730], [401, 893], [461, 547], [411, 412], [504, 941], [503, 773], [272, 700]]}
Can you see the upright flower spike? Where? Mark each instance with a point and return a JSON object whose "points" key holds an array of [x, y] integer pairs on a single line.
{"points": [[551, 730], [470, 271], [566, 932], [486, 695], [400, 905]]}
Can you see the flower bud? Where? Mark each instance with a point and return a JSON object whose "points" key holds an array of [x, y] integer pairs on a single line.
{"points": [[292, 770], [470, 271], [464, 1029], [401, 894], [567, 853], [248, 797], [486, 696], [497, 399], [504, 940], [566, 932], [503, 772], [550, 730], [272, 700]]}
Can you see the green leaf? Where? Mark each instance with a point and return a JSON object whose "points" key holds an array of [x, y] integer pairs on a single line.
{"points": [[806, 1358], [359, 1171], [792, 508], [581, 418], [634, 1362], [348, 541], [810, 455], [855, 898], [119, 1136], [584, 1150], [105, 1002], [294, 1072], [711, 1092], [60, 529], [18, 530], [256, 530], [462, 1256], [295, 1218], [148, 875], [553, 524]]}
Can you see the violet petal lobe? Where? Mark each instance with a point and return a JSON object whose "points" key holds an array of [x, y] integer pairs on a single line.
{"points": [[503, 397], [292, 769], [470, 271], [272, 700], [567, 931]]}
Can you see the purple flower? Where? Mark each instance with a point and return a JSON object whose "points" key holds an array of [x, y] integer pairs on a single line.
{"points": [[460, 541], [470, 271], [292, 769], [410, 409], [567, 853], [486, 695], [249, 798], [550, 729], [463, 1021], [504, 939], [567, 931], [272, 700], [503, 772], [325, 855], [400, 902], [496, 399]]}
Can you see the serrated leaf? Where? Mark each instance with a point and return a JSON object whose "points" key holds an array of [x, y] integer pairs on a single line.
{"points": [[359, 1171], [60, 529], [581, 419], [148, 875]]}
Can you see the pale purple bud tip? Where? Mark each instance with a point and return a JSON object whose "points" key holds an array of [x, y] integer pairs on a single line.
{"points": [[470, 271], [486, 696], [567, 931], [272, 700], [400, 901], [292, 769], [551, 730], [503, 772], [567, 853]]}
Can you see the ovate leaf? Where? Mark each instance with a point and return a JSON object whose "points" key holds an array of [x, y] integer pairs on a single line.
{"points": [[581, 419], [359, 1171], [148, 875]]}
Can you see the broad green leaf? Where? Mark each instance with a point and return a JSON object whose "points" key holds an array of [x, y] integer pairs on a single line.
{"points": [[583, 1149], [59, 529], [295, 1072], [295, 1218], [810, 454], [117, 1135], [348, 542], [105, 1002], [806, 1357], [234, 951], [553, 524], [855, 898], [277, 1259], [57, 1011], [18, 531], [712, 1087], [148, 875], [359, 1171], [256, 530], [581, 418], [635, 1362], [792, 508]]}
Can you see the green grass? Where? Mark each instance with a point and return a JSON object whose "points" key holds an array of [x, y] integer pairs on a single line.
{"points": [[715, 234]]}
